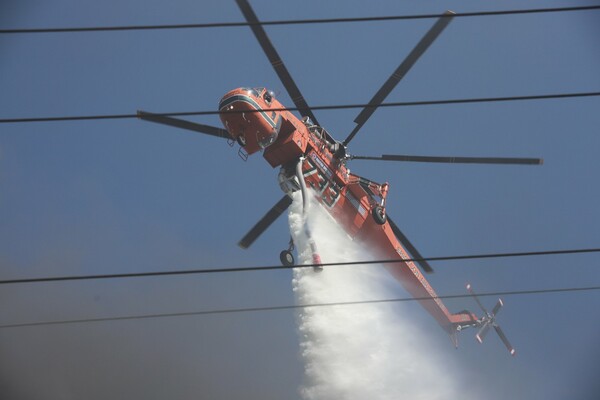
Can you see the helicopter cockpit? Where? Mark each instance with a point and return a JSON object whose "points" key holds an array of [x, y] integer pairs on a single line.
{"points": [[261, 92], [264, 138]]}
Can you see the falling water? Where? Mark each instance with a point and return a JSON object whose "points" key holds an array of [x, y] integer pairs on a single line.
{"points": [[366, 351]]}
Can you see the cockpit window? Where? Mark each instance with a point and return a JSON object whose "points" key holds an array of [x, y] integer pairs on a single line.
{"points": [[268, 96], [251, 92]]}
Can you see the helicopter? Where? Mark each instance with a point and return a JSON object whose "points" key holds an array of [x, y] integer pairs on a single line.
{"points": [[314, 163]]}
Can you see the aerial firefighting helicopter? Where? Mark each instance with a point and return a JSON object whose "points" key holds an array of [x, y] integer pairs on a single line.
{"points": [[308, 156]]}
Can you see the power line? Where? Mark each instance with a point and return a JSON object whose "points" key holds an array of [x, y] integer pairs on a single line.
{"points": [[295, 307], [293, 22], [325, 107], [280, 267]]}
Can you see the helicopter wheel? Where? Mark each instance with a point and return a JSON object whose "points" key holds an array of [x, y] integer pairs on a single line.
{"points": [[379, 215], [287, 258], [241, 140]]}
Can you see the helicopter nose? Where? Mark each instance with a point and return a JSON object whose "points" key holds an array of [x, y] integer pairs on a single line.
{"points": [[244, 115]]}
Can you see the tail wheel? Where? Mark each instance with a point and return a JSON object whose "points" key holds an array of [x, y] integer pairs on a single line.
{"points": [[287, 258], [379, 215]]}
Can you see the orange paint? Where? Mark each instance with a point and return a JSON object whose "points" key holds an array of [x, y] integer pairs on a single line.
{"points": [[266, 125]]}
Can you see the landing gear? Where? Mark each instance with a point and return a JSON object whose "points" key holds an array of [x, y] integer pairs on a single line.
{"points": [[379, 215], [241, 140], [287, 258]]}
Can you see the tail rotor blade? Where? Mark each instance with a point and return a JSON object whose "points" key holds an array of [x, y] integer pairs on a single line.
{"points": [[497, 307], [500, 333], [470, 289], [482, 332], [265, 222], [490, 320]]}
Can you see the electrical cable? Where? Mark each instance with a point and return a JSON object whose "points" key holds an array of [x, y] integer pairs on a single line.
{"points": [[294, 22], [281, 267], [296, 307], [327, 107]]}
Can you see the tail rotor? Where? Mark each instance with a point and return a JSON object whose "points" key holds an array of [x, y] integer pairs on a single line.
{"points": [[488, 320]]}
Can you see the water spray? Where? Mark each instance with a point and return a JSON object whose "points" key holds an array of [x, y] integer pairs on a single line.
{"points": [[368, 351]]}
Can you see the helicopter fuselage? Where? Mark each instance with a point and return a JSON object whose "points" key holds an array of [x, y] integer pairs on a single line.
{"points": [[257, 121]]}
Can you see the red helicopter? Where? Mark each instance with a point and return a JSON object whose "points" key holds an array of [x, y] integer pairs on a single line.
{"points": [[308, 156]]}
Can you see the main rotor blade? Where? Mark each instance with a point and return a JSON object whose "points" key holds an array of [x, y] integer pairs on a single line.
{"points": [[409, 246], [454, 160], [500, 333], [276, 62], [399, 73], [180, 123], [265, 222]]}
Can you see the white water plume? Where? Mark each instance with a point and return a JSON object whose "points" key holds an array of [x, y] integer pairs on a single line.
{"points": [[366, 351]]}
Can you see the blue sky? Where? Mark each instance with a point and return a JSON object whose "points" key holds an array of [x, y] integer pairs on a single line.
{"points": [[129, 196]]}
